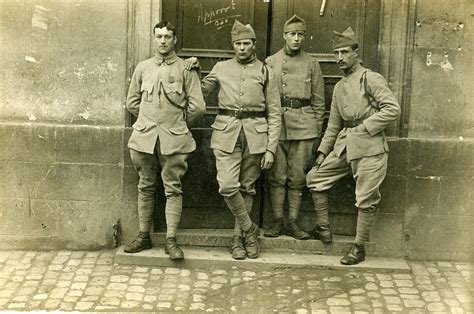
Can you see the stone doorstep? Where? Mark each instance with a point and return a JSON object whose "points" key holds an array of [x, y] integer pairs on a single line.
{"points": [[220, 258], [223, 237]]}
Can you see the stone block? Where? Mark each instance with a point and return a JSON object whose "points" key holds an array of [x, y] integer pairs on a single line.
{"points": [[27, 142], [130, 182], [393, 194], [78, 182], [398, 156], [22, 179], [439, 237], [127, 132], [110, 183], [422, 196], [387, 234], [87, 144], [441, 158], [456, 196]]}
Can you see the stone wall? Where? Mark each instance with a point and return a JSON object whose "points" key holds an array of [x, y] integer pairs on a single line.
{"points": [[62, 118]]}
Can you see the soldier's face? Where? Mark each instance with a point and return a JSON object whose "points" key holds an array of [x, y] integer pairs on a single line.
{"points": [[244, 49], [164, 41], [294, 40], [346, 57]]}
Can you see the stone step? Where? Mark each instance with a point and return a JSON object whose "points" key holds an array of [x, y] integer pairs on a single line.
{"points": [[220, 258], [222, 238]]}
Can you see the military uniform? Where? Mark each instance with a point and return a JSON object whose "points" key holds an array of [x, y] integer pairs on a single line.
{"points": [[164, 97], [362, 107], [246, 127], [241, 90], [301, 86]]}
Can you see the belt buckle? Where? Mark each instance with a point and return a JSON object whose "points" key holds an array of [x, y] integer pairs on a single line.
{"points": [[238, 113]]}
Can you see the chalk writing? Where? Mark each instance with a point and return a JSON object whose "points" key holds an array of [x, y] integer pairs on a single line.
{"points": [[219, 17]]}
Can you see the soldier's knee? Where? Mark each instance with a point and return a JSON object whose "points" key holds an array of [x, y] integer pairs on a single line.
{"points": [[146, 190], [227, 190], [370, 209], [296, 185], [276, 182]]}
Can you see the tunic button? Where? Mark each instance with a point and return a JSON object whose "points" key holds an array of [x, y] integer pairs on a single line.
{"points": [[284, 85], [284, 61], [242, 79], [241, 94], [283, 73]]}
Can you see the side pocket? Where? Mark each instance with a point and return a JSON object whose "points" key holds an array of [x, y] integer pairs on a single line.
{"points": [[261, 128], [139, 126], [218, 125], [180, 130]]}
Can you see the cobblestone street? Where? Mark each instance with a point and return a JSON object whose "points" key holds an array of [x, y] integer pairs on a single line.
{"points": [[89, 281]]}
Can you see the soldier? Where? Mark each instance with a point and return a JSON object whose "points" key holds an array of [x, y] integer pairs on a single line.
{"points": [[245, 132], [164, 97], [362, 107], [301, 85]]}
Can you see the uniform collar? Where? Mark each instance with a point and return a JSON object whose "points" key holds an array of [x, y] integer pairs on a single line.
{"points": [[250, 60], [290, 52], [357, 66], [169, 59]]}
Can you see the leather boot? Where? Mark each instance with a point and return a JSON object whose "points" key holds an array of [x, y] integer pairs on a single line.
{"points": [[295, 231], [141, 242], [251, 242], [237, 248], [323, 233], [355, 255], [275, 230], [172, 248]]}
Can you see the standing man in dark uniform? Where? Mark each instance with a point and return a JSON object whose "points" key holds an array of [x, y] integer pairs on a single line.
{"points": [[245, 132], [362, 107], [164, 97], [301, 86]]}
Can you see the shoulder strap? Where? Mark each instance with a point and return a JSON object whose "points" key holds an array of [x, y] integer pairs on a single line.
{"points": [[265, 75], [372, 100], [172, 102]]}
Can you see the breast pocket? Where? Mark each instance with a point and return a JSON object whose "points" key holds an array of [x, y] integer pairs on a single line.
{"points": [[147, 91], [173, 91]]}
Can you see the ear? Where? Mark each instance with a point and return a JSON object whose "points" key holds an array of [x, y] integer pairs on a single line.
{"points": [[357, 51], [175, 40]]}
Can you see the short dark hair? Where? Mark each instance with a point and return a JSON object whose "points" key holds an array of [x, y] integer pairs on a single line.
{"points": [[163, 24]]}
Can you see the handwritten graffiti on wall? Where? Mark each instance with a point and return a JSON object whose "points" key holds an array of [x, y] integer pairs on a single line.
{"points": [[219, 17]]}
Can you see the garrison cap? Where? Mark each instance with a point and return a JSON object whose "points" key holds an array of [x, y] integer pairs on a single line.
{"points": [[240, 31], [295, 23], [344, 39]]}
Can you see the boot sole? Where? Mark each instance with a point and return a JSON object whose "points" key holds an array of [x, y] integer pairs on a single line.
{"points": [[137, 251], [267, 235]]}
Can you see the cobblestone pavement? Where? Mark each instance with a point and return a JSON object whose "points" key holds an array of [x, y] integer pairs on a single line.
{"points": [[89, 281]]}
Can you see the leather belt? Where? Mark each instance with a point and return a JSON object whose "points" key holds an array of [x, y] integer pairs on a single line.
{"points": [[241, 114], [352, 123], [295, 103]]}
